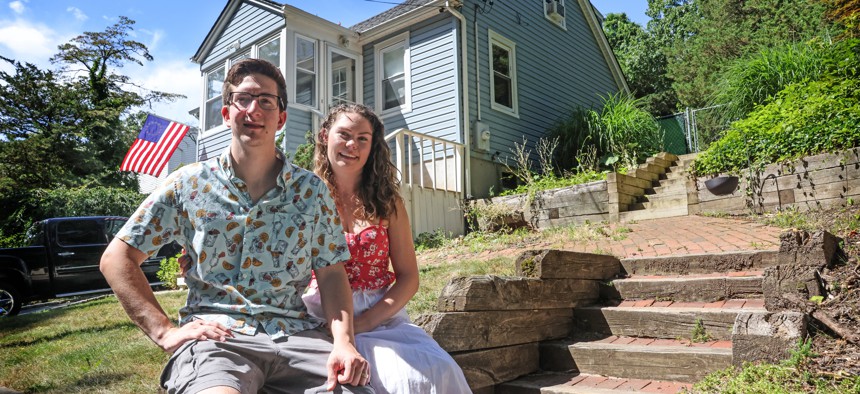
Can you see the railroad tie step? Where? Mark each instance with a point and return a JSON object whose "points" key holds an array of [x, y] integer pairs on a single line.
{"points": [[572, 382]]}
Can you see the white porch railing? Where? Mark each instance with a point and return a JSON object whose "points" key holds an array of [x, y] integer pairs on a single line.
{"points": [[431, 180]]}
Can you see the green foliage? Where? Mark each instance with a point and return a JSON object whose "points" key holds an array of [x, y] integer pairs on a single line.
{"points": [[700, 38], [643, 63], [699, 334], [169, 271], [620, 134], [803, 119], [430, 240], [789, 376], [626, 130], [61, 202], [305, 153], [552, 182], [757, 78]]}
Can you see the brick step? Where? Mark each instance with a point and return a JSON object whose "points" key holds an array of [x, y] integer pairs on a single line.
{"points": [[665, 319], [691, 288], [564, 383], [644, 214], [701, 263], [645, 358]]}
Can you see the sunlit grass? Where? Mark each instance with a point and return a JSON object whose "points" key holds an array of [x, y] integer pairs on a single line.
{"points": [[88, 348]]}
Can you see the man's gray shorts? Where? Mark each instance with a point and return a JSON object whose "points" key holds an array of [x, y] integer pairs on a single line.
{"points": [[254, 363]]}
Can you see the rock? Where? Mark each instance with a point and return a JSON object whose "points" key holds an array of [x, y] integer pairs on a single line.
{"points": [[766, 337]]}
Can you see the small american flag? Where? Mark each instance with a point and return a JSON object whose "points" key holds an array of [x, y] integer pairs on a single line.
{"points": [[153, 146]]}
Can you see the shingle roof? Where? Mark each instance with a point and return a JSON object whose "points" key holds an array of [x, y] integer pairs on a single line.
{"points": [[392, 13]]}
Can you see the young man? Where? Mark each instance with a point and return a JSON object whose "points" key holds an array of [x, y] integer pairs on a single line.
{"points": [[256, 226]]}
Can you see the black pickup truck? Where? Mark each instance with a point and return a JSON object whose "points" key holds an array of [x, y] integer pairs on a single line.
{"points": [[62, 260]]}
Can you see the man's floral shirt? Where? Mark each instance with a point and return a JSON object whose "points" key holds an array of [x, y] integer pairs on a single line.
{"points": [[252, 261]]}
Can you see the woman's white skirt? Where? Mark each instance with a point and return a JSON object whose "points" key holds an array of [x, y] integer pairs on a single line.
{"points": [[403, 358]]}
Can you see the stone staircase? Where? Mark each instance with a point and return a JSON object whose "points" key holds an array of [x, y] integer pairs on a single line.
{"points": [[662, 327], [664, 192]]}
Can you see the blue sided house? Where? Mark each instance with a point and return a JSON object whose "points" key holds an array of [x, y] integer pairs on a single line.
{"points": [[456, 83]]}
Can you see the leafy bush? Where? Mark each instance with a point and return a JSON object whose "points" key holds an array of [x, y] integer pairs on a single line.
{"points": [[803, 119], [47, 203], [620, 133], [169, 271], [756, 79], [430, 240], [626, 130]]}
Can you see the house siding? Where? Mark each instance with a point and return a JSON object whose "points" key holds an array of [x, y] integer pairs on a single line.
{"points": [[212, 144], [299, 122], [248, 25], [435, 76], [556, 70]]}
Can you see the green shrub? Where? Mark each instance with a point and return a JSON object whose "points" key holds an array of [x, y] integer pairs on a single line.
{"points": [[169, 271], [430, 240], [41, 204], [804, 118], [627, 131], [757, 79]]}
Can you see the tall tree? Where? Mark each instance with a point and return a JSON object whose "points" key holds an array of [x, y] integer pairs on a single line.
{"points": [[109, 95], [642, 62]]}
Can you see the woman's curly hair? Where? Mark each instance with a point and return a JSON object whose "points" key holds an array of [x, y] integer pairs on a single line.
{"points": [[378, 189]]}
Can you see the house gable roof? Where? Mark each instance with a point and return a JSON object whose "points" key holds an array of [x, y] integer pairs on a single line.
{"points": [[224, 20]]}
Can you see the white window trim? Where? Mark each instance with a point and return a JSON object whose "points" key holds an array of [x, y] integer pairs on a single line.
{"points": [[499, 40], [560, 23], [254, 52], [379, 49], [330, 51], [294, 70]]}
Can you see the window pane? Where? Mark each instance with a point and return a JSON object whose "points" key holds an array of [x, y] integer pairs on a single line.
{"points": [[342, 79], [501, 60], [240, 57], [502, 90], [394, 91], [213, 113], [80, 232], [392, 62], [305, 55], [305, 88], [271, 52], [214, 82]]}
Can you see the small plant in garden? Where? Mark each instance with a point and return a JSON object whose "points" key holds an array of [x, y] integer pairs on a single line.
{"points": [[169, 271], [699, 334], [430, 240]]}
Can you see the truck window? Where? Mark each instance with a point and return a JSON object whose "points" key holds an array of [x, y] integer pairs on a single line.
{"points": [[80, 232], [112, 226], [35, 235]]}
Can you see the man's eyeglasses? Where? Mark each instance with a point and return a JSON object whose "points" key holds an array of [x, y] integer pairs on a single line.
{"points": [[265, 101]]}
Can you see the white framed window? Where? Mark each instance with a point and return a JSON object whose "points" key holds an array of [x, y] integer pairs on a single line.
{"points": [[306, 71], [554, 11], [503, 74], [212, 112], [393, 82], [270, 51], [342, 82]]}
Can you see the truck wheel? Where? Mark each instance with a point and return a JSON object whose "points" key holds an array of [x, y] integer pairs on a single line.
{"points": [[10, 300]]}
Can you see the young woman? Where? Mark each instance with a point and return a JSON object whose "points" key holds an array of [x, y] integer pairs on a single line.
{"points": [[353, 158]]}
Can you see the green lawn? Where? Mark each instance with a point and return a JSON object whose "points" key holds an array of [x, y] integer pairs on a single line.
{"points": [[88, 348]]}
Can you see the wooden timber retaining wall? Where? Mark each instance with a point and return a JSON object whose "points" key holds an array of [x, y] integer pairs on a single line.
{"points": [[493, 326], [812, 182]]}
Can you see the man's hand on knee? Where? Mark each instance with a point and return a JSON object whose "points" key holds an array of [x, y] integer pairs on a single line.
{"points": [[196, 330]]}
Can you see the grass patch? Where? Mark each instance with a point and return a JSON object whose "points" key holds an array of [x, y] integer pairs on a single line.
{"points": [[434, 277], [790, 376], [91, 347]]}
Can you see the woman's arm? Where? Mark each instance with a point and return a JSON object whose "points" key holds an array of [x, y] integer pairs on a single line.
{"points": [[405, 266]]}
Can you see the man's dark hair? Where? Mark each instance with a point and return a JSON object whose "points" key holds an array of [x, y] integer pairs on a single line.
{"points": [[245, 67]]}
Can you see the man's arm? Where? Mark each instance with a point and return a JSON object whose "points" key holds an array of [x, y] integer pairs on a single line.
{"points": [[345, 365], [120, 265]]}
